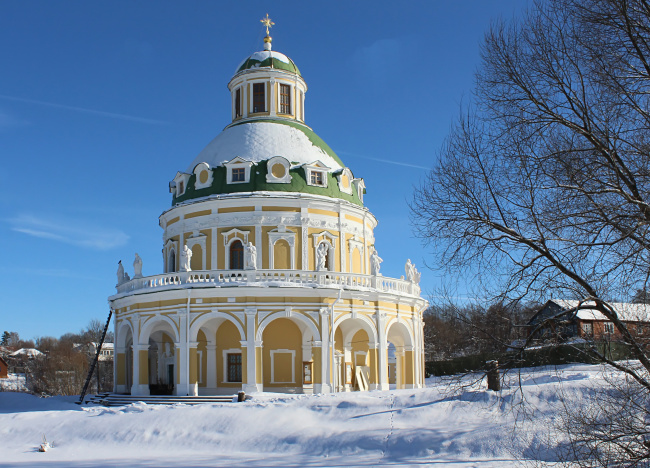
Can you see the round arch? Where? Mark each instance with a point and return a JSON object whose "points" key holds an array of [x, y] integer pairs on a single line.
{"points": [[399, 333], [303, 323], [123, 330], [158, 322], [217, 318], [359, 322]]}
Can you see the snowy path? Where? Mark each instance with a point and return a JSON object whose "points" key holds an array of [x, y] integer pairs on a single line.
{"points": [[400, 428]]}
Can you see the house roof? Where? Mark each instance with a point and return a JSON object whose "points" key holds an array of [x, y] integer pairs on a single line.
{"points": [[626, 311], [29, 352]]}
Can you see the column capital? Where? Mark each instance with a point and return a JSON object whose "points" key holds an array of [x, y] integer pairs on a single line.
{"points": [[324, 310], [243, 343], [317, 343], [250, 311], [258, 343]]}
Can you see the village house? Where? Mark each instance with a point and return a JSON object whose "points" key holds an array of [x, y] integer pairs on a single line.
{"points": [[565, 320]]}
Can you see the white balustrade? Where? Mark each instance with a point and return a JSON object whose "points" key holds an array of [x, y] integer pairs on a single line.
{"points": [[299, 278]]}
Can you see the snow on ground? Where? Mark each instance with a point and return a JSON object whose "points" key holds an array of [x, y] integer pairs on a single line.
{"points": [[397, 428], [13, 383]]}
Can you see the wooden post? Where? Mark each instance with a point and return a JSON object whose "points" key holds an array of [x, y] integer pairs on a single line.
{"points": [[493, 378]]}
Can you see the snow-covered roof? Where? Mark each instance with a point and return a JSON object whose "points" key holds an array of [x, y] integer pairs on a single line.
{"points": [[29, 352], [259, 141], [625, 310], [268, 59]]}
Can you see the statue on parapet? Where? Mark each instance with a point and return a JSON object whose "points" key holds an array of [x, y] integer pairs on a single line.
{"points": [[321, 256], [186, 257], [375, 261], [409, 268], [120, 273], [250, 257], [137, 266], [412, 273]]}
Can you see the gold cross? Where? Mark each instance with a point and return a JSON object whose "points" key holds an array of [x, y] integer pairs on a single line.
{"points": [[267, 22]]}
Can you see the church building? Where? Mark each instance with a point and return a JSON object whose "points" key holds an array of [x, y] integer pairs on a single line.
{"points": [[270, 279]]}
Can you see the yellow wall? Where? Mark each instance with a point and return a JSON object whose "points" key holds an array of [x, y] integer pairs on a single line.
{"points": [[144, 366], [194, 374], [196, 262], [360, 343], [227, 338], [282, 333], [196, 214], [408, 367], [282, 255], [356, 261], [121, 369]]}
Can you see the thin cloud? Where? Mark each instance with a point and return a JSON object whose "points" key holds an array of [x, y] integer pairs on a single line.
{"points": [[69, 232], [387, 161], [9, 121], [86, 111], [49, 272]]}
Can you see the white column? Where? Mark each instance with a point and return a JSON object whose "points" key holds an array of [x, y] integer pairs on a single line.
{"points": [[382, 358], [251, 352], [214, 247], [182, 360], [211, 367], [325, 354], [115, 354], [273, 96], [305, 246], [417, 355], [258, 244], [193, 386]]}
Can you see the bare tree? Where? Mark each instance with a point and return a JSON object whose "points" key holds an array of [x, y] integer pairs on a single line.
{"points": [[543, 184]]}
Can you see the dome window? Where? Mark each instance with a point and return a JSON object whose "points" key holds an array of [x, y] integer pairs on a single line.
{"points": [[238, 106], [360, 186], [203, 176], [259, 97], [278, 171], [345, 181], [316, 174], [239, 171], [285, 99], [179, 184]]}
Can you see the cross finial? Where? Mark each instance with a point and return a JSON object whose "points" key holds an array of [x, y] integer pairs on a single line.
{"points": [[267, 22]]}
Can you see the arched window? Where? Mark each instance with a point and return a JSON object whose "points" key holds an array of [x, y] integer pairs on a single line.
{"points": [[171, 264], [236, 256]]}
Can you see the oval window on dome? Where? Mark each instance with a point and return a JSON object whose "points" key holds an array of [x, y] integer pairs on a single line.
{"points": [[278, 170], [203, 175]]}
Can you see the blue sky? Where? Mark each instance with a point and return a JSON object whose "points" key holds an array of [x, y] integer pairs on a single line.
{"points": [[102, 102]]}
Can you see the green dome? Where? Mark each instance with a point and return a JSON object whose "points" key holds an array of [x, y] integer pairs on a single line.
{"points": [[268, 59], [257, 142]]}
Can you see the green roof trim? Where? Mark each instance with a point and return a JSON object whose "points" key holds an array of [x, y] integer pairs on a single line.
{"points": [[309, 133], [270, 62], [258, 183]]}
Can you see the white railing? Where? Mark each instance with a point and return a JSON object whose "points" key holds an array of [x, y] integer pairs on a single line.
{"points": [[278, 278]]}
